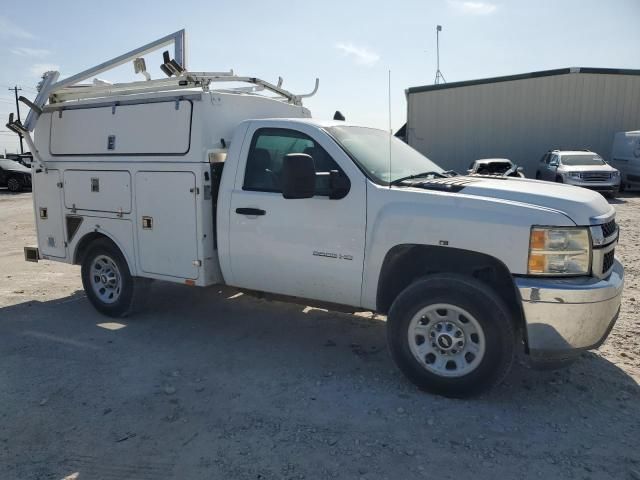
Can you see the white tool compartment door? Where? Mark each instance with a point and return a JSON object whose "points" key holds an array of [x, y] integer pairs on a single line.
{"points": [[48, 206], [159, 128], [166, 223], [98, 191]]}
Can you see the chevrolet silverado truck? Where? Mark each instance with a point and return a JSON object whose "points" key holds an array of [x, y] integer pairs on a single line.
{"points": [[178, 181]]}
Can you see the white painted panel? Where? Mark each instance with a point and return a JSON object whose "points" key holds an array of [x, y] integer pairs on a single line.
{"points": [[48, 206], [96, 190], [169, 247], [148, 128]]}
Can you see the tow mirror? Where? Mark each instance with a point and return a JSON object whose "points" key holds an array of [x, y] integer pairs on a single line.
{"points": [[298, 176]]}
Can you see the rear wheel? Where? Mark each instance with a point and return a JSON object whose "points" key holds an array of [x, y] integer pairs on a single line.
{"points": [[14, 184], [106, 279], [451, 335]]}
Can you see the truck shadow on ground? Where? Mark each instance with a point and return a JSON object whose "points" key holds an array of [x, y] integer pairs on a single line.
{"points": [[217, 321], [216, 367]]}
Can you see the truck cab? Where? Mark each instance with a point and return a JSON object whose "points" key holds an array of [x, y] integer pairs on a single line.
{"points": [[203, 186]]}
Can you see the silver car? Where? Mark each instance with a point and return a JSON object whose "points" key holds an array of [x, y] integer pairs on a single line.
{"points": [[582, 168]]}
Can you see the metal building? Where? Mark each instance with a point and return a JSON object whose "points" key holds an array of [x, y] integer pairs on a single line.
{"points": [[522, 116]]}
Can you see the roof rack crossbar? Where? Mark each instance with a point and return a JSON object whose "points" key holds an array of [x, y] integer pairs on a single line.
{"points": [[186, 81]]}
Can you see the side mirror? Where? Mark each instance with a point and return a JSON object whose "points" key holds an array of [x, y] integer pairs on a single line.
{"points": [[339, 185], [298, 176], [520, 170]]}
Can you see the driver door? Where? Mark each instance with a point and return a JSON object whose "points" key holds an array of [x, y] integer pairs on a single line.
{"points": [[309, 248]]}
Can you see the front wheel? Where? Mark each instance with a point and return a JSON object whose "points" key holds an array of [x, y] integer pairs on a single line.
{"points": [[14, 184], [451, 335], [106, 279]]}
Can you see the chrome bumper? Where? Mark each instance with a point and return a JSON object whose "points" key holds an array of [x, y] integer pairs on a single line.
{"points": [[567, 316], [611, 185]]}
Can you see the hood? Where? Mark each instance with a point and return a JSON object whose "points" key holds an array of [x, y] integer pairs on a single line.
{"points": [[12, 166], [582, 206], [586, 168]]}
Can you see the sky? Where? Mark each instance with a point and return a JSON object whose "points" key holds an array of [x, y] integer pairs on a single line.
{"points": [[349, 45]]}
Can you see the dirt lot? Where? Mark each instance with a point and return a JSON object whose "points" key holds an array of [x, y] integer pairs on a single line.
{"points": [[208, 383]]}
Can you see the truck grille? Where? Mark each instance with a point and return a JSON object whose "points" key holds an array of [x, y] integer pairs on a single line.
{"points": [[595, 176], [609, 228], [607, 261]]}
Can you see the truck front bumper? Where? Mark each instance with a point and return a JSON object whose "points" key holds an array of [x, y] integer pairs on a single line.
{"points": [[567, 316]]}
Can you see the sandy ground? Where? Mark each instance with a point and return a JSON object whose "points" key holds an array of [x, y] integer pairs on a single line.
{"points": [[206, 383]]}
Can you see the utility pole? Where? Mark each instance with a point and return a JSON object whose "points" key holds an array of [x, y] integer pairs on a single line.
{"points": [[15, 90], [439, 76]]}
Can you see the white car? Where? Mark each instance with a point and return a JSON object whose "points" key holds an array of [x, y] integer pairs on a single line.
{"points": [[582, 168], [495, 167]]}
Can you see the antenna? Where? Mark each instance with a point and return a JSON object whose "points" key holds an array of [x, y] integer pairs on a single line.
{"points": [[390, 128], [439, 76]]}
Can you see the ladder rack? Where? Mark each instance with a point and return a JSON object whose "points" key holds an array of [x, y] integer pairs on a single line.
{"points": [[55, 92], [187, 80]]}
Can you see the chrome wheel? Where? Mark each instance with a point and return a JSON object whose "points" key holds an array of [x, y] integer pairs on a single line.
{"points": [[105, 278], [446, 340]]}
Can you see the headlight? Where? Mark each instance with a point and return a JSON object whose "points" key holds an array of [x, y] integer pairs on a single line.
{"points": [[615, 174], [559, 251]]}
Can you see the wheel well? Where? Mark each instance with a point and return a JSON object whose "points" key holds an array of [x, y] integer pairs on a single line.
{"points": [[84, 243], [404, 264]]}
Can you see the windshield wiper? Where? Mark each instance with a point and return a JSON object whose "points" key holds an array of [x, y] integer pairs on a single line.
{"points": [[416, 175]]}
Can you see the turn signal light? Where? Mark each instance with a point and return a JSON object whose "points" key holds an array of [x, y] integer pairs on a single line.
{"points": [[538, 239], [536, 263]]}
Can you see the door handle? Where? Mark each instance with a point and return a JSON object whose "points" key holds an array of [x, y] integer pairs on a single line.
{"points": [[250, 211]]}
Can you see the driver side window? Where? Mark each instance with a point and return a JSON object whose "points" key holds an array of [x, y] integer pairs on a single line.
{"points": [[268, 149]]}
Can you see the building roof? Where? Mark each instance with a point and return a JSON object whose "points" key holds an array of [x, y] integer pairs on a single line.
{"points": [[523, 76]]}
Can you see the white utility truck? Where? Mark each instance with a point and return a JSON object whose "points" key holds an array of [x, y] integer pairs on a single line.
{"points": [[175, 180]]}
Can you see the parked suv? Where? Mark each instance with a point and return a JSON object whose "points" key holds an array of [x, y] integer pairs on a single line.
{"points": [[14, 175], [581, 168]]}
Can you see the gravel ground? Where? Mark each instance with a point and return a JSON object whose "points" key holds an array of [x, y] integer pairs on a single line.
{"points": [[210, 383]]}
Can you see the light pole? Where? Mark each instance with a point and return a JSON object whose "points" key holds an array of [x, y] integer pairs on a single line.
{"points": [[439, 76]]}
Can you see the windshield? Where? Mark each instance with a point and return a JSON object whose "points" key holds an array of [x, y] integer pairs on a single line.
{"points": [[369, 148], [574, 160], [494, 167]]}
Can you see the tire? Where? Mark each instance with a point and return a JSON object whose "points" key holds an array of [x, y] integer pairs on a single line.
{"points": [[469, 306], [559, 179], [107, 280], [538, 175], [622, 187], [14, 184]]}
